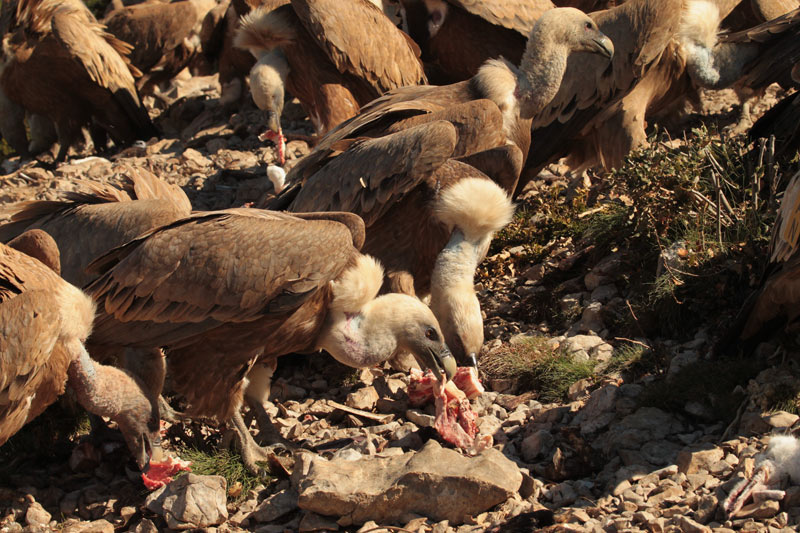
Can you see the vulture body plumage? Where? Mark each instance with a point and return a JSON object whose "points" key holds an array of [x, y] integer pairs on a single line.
{"points": [[58, 61], [400, 162], [457, 36], [159, 33], [333, 55], [224, 290], [87, 225], [44, 322], [777, 302]]}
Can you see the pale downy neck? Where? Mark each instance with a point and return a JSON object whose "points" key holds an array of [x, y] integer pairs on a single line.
{"points": [[540, 72], [364, 338], [455, 266], [87, 379], [524, 91], [453, 296]]}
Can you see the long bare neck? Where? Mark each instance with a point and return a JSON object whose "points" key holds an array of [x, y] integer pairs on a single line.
{"points": [[541, 71]]}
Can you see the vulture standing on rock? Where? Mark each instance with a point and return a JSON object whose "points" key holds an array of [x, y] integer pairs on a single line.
{"points": [[430, 216], [159, 33], [457, 36], [44, 322], [58, 61], [224, 290], [333, 55]]}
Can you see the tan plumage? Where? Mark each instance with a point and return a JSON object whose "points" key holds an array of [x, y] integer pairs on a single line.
{"points": [[225, 289], [159, 34], [334, 56], [458, 36], [599, 123], [777, 302], [44, 322], [87, 225], [395, 164], [58, 61]]}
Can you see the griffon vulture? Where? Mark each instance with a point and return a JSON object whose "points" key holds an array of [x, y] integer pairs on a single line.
{"points": [[160, 34], [601, 123], [400, 178], [58, 61], [457, 36], [44, 322], [224, 290], [333, 55]]}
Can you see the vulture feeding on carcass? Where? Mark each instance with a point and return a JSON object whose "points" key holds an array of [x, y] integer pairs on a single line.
{"points": [[87, 225], [457, 36], [224, 290], [161, 36], [333, 55], [431, 216], [58, 61], [44, 322], [429, 219]]}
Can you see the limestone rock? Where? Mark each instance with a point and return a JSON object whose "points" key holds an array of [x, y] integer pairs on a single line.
{"points": [[387, 489], [191, 501], [690, 462], [276, 506]]}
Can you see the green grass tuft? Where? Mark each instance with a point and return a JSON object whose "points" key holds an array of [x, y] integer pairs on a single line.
{"points": [[534, 366], [222, 462]]}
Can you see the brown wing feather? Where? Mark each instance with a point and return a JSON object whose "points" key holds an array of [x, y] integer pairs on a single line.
{"points": [[361, 40], [375, 173], [32, 374], [517, 15], [198, 273]]}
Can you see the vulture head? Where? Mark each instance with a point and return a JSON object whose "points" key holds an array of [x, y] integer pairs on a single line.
{"points": [[266, 85], [262, 32], [106, 390], [363, 329], [557, 33], [473, 209]]}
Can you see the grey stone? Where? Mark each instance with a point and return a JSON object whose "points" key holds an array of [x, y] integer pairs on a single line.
{"points": [[191, 501], [387, 489], [276, 506], [364, 398], [536, 444]]}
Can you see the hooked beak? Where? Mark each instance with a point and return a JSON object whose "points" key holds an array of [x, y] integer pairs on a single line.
{"points": [[603, 46], [473, 360], [148, 451], [273, 121], [442, 364]]}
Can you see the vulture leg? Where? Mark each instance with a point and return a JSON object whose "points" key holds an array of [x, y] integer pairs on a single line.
{"points": [[168, 414], [259, 381], [252, 452]]}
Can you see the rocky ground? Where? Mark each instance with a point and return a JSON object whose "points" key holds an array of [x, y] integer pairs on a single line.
{"points": [[606, 409]]}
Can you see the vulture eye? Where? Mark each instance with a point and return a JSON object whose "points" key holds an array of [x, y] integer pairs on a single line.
{"points": [[588, 25], [430, 333]]}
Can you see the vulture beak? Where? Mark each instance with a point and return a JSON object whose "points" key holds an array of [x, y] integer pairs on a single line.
{"points": [[443, 364], [148, 451], [273, 121], [473, 360], [603, 46]]}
